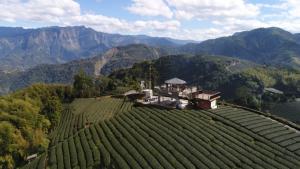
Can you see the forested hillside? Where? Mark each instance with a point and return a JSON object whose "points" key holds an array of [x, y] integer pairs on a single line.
{"points": [[26, 119], [270, 46], [239, 81], [113, 59]]}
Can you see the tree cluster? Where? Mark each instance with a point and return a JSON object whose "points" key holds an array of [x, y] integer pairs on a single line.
{"points": [[27, 116]]}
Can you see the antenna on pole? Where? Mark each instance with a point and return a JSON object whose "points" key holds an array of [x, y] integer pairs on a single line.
{"points": [[150, 69]]}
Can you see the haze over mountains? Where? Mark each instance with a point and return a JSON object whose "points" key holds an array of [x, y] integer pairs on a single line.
{"points": [[25, 48], [55, 54]]}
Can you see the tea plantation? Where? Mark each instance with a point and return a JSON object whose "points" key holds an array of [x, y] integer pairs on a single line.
{"points": [[112, 133]]}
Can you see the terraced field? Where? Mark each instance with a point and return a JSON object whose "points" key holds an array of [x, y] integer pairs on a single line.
{"points": [[272, 130], [117, 135], [83, 112]]}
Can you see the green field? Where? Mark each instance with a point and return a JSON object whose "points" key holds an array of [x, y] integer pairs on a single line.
{"points": [[82, 113], [111, 133]]}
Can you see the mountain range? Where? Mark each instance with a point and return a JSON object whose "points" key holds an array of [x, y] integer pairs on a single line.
{"points": [[22, 49], [25, 48], [269, 46], [55, 54]]}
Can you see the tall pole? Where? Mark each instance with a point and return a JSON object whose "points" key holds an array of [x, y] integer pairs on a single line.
{"points": [[150, 87]]}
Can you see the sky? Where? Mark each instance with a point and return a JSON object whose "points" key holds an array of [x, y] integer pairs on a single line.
{"points": [[180, 19]]}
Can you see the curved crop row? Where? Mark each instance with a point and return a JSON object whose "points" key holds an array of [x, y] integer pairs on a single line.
{"points": [[151, 138]]}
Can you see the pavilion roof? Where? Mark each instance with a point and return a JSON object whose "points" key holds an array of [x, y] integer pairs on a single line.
{"points": [[175, 81]]}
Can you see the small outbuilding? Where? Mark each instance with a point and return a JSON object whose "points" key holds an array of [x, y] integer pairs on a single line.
{"points": [[207, 99]]}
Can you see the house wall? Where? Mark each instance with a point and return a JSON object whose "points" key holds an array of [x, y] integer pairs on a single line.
{"points": [[204, 104], [214, 104]]}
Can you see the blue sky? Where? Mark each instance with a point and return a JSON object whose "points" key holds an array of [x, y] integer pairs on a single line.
{"points": [[181, 19]]}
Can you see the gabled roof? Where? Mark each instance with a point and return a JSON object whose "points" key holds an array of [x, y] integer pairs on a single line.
{"points": [[175, 81], [208, 95]]}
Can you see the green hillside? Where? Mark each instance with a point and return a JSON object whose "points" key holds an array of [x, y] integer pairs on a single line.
{"points": [[111, 133], [102, 64], [26, 118], [271, 46], [240, 82]]}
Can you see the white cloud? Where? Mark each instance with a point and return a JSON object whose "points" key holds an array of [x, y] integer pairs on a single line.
{"points": [[285, 14], [281, 6], [213, 9], [37, 10], [157, 25], [220, 17], [232, 25], [68, 12], [114, 25], [225, 16], [150, 8], [293, 8], [199, 34]]}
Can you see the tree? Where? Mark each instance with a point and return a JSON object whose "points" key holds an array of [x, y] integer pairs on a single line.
{"points": [[105, 85], [52, 109], [12, 144], [26, 117], [83, 85]]}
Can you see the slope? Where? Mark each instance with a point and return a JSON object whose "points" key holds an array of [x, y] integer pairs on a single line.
{"points": [[241, 82], [25, 48], [264, 45], [147, 137], [113, 59]]}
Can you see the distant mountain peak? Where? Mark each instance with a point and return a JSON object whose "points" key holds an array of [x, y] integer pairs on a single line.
{"points": [[266, 31], [25, 48], [273, 46]]}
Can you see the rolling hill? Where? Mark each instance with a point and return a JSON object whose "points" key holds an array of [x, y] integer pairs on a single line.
{"points": [[25, 48], [270, 46], [113, 59], [213, 73], [111, 133], [240, 82], [225, 74]]}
